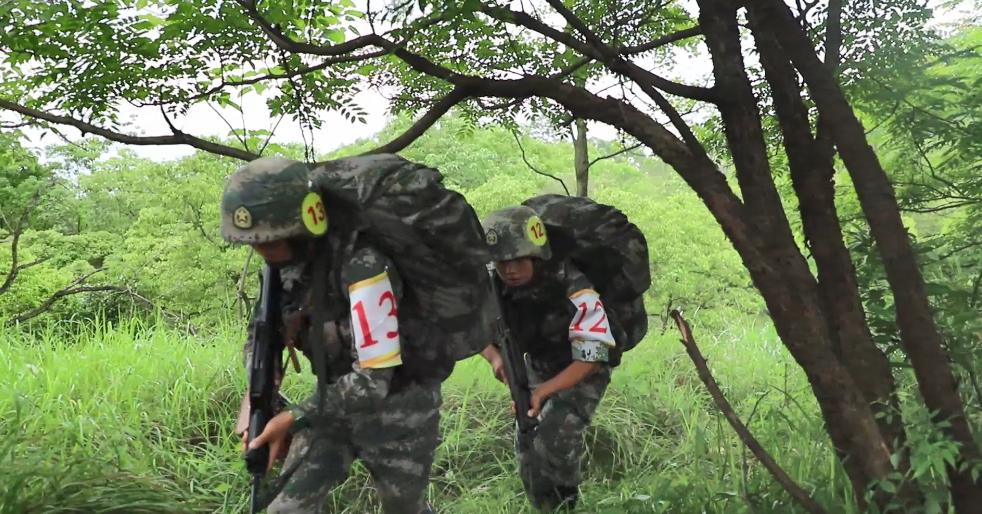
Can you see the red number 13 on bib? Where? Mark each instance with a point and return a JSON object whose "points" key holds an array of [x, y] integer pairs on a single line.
{"points": [[375, 322]]}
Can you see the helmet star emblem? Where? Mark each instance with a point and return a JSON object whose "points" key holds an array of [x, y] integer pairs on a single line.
{"points": [[242, 218]]}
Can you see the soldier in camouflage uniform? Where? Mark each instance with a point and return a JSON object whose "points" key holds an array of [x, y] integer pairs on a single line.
{"points": [[559, 323], [369, 408]]}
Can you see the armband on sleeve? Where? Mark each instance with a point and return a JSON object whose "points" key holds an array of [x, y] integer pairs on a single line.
{"points": [[589, 331], [375, 322]]}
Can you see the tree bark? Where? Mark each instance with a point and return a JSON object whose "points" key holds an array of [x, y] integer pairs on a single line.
{"points": [[792, 295], [581, 159], [811, 175], [919, 334], [741, 121]]}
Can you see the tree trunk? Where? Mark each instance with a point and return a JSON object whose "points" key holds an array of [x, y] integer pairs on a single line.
{"points": [[811, 174], [581, 159], [803, 310], [919, 335], [741, 121]]}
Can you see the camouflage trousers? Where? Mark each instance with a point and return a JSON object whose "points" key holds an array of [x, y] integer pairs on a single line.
{"points": [[396, 444], [550, 468]]}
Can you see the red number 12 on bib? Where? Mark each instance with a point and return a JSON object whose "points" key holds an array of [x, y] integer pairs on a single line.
{"points": [[590, 321]]}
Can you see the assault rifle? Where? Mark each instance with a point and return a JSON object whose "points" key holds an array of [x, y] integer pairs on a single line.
{"points": [[515, 372], [265, 368]]}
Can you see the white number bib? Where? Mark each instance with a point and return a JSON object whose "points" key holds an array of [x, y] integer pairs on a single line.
{"points": [[590, 321], [375, 322]]}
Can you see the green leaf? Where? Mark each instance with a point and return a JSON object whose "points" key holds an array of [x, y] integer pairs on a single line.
{"points": [[895, 459], [336, 36], [888, 486]]}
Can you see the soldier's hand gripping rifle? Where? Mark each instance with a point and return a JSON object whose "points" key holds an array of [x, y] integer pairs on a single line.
{"points": [[265, 367], [515, 372]]}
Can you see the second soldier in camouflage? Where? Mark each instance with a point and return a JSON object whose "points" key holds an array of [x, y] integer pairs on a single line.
{"points": [[557, 319]]}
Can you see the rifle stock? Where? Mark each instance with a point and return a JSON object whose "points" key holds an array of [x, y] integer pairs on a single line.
{"points": [[515, 371], [266, 364]]}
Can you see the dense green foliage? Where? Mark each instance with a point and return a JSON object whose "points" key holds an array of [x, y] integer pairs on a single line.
{"points": [[110, 405], [930, 127], [153, 227], [658, 444]]}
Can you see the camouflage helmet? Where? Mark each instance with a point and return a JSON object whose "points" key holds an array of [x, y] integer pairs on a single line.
{"points": [[270, 199], [516, 232]]}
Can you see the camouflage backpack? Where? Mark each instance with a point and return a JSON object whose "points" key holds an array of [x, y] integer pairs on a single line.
{"points": [[436, 242], [609, 249]]}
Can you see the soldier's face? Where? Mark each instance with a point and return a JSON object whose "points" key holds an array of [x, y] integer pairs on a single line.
{"points": [[516, 272], [275, 252]]}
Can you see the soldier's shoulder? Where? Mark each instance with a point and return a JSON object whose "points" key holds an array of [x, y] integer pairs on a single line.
{"points": [[574, 279], [363, 263]]}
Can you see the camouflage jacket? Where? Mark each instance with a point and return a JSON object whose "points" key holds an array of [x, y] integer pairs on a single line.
{"points": [[356, 381], [558, 318]]}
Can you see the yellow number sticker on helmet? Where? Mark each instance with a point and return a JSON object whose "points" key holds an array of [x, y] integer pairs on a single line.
{"points": [[313, 214], [536, 231]]}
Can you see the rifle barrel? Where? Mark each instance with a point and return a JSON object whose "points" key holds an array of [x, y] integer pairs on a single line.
{"points": [[257, 480], [515, 371], [267, 354]]}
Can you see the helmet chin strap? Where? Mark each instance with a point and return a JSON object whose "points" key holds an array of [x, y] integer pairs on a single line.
{"points": [[301, 248]]}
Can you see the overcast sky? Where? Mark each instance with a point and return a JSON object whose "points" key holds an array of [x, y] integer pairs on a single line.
{"points": [[336, 131]]}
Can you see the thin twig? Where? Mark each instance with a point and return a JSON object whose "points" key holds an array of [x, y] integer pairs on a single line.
{"points": [[269, 137], [175, 138], [615, 154], [702, 368], [16, 231], [533, 168], [231, 129], [241, 296]]}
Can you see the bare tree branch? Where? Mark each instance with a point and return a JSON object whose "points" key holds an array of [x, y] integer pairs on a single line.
{"points": [[499, 106], [289, 74], [33, 263], [285, 43], [959, 249], [939, 208], [44, 307], [615, 154], [702, 368], [16, 232], [70, 289], [536, 170], [596, 49], [662, 41], [833, 34], [77, 287], [269, 137], [176, 138], [457, 95], [239, 137]]}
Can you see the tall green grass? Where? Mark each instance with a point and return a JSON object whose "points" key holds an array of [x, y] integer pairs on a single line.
{"points": [[132, 418]]}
